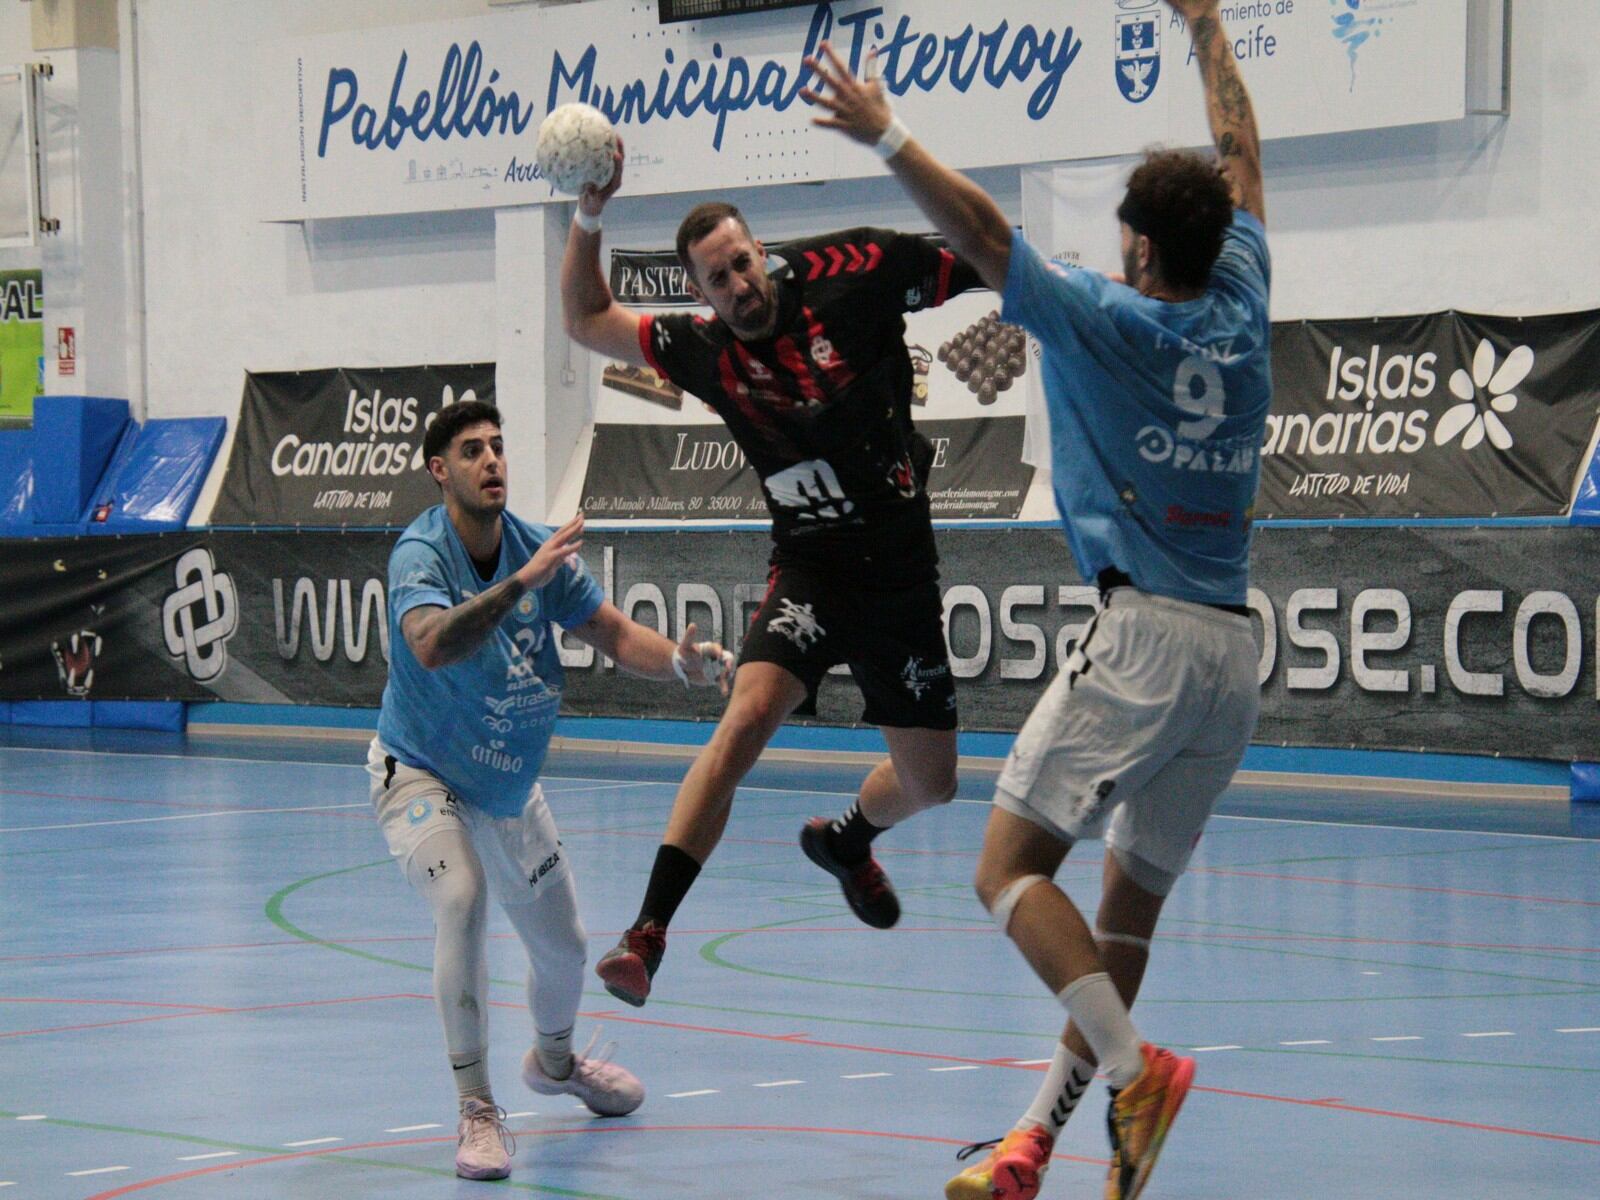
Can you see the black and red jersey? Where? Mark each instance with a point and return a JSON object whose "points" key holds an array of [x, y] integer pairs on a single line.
{"points": [[822, 408]]}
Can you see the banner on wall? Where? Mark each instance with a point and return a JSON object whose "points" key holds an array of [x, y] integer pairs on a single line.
{"points": [[1438, 416], [341, 446], [1450, 639], [434, 116], [21, 344]]}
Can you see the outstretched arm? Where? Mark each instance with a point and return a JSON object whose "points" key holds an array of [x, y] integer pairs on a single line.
{"points": [[593, 316], [1233, 119], [643, 651], [961, 210]]}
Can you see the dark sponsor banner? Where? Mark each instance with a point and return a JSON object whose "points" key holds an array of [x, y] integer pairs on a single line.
{"points": [[1443, 639], [664, 472], [1435, 416], [341, 446], [87, 618]]}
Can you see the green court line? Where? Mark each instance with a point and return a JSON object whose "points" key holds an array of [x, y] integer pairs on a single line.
{"points": [[1035, 1036], [1325, 858], [326, 1157]]}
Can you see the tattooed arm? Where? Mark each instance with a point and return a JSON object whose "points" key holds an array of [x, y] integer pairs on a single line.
{"points": [[1233, 120], [441, 636]]}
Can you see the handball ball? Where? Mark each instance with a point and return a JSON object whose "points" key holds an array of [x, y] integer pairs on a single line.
{"points": [[576, 145]]}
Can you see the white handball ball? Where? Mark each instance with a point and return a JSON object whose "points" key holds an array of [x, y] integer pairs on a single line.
{"points": [[576, 147]]}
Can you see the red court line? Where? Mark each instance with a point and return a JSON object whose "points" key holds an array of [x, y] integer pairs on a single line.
{"points": [[202, 1012], [187, 1008], [1403, 1116], [197, 1172], [1394, 887]]}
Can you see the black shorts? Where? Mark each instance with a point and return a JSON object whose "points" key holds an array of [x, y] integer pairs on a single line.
{"points": [[892, 641]]}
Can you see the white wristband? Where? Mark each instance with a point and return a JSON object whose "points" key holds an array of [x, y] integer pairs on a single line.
{"points": [[585, 222], [679, 668], [893, 139]]}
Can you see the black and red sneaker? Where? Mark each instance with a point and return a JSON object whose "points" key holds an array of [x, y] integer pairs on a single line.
{"points": [[627, 968], [866, 888]]}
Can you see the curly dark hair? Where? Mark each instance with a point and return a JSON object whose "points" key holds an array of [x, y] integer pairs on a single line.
{"points": [[698, 224], [1183, 204], [453, 420]]}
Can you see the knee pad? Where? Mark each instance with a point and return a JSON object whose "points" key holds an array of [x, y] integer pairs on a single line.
{"points": [[1006, 902]]}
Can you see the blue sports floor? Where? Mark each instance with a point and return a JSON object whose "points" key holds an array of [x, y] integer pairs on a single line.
{"points": [[214, 983]]}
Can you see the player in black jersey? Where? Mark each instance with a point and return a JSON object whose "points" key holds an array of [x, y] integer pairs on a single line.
{"points": [[806, 362]]}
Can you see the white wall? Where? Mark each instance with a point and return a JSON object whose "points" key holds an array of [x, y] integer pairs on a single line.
{"points": [[1484, 214]]}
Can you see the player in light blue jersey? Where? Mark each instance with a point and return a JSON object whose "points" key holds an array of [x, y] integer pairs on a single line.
{"points": [[1158, 387], [474, 687]]}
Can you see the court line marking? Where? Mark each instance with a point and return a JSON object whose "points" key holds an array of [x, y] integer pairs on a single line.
{"points": [[321, 1141], [686, 1095], [1310, 1042], [425, 1125], [1582, 1029], [529, 1113], [1496, 1033], [1203, 1049], [224, 812], [95, 1171], [1546, 837], [780, 1083], [1407, 1037], [938, 1070], [213, 1154], [869, 1075]]}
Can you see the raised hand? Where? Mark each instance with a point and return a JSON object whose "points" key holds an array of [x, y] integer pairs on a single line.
{"points": [[592, 199], [859, 106], [557, 552]]}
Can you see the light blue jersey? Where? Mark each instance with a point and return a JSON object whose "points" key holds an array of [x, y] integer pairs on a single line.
{"points": [[483, 724], [1157, 412]]}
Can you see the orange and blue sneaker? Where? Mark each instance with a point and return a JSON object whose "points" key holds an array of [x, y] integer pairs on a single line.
{"points": [[629, 966], [1012, 1169], [1140, 1116]]}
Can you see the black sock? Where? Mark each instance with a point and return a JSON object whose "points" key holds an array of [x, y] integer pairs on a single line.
{"points": [[670, 880], [852, 835]]}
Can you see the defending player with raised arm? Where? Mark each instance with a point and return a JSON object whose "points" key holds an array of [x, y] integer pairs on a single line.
{"points": [[1158, 387], [810, 371], [474, 687]]}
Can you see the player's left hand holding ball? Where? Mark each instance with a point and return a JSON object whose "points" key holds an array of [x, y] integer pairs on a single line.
{"points": [[701, 664], [592, 199]]}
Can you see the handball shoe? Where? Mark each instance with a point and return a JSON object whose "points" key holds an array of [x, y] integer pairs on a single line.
{"points": [[1012, 1169], [866, 888], [483, 1147], [607, 1089], [630, 965], [1140, 1116]]}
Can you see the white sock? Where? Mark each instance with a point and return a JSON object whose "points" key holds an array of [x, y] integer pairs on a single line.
{"points": [[555, 1053], [1092, 1001], [471, 1073], [1064, 1085]]}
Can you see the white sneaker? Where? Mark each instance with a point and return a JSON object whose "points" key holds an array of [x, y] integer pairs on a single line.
{"points": [[483, 1147], [607, 1089]]}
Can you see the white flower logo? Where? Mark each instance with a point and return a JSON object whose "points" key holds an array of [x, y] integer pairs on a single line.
{"points": [[1478, 422]]}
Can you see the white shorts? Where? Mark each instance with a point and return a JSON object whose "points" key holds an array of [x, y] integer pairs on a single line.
{"points": [[521, 855], [1140, 732]]}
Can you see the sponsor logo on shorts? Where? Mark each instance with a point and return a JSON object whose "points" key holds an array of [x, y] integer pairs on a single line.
{"points": [[797, 623], [919, 679], [544, 868]]}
